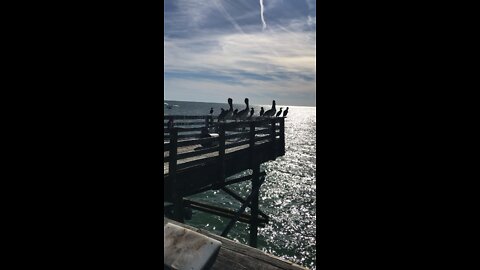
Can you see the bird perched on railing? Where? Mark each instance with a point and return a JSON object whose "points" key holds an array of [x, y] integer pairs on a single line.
{"points": [[244, 113], [262, 111], [252, 111], [285, 112], [226, 114], [279, 112], [235, 113], [222, 114], [211, 111], [271, 112], [229, 111]]}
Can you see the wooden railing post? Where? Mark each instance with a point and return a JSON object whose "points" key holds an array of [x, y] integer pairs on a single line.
{"points": [[252, 143], [221, 157], [256, 183], [172, 165], [282, 135], [208, 121], [272, 137], [177, 197]]}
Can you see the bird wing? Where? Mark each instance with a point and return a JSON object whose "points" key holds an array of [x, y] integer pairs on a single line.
{"points": [[270, 112], [243, 113]]}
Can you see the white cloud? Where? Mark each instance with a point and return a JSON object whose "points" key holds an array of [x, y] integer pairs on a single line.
{"points": [[259, 53]]}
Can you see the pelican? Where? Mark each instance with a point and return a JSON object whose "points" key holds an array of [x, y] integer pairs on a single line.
{"points": [[272, 111], [229, 111], [235, 114], [222, 114], [244, 113]]}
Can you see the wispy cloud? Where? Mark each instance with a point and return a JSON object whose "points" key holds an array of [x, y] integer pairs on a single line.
{"points": [[226, 14]]}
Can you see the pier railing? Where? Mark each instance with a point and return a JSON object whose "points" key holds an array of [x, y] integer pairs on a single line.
{"points": [[194, 140], [202, 153]]}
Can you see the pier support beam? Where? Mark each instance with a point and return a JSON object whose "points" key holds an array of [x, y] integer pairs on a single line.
{"points": [[256, 183], [176, 195]]}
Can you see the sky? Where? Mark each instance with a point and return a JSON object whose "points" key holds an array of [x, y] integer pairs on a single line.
{"points": [[260, 49]]}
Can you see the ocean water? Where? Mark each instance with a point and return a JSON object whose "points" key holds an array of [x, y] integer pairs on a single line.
{"points": [[288, 195]]}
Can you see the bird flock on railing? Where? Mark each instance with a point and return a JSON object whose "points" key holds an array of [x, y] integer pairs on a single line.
{"points": [[247, 113]]}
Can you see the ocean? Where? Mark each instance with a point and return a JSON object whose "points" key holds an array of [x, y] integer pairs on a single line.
{"points": [[288, 195]]}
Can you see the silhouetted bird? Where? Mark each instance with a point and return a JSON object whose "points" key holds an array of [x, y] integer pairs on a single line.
{"points": [[279, 112], [229, 111], [222, 114], [211, 111], [285, 112], [252, 111], [244, 113], [262, 111], [272, 111]]}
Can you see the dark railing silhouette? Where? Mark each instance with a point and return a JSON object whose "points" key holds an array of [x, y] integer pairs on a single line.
{"points": [[193, 142], [192, 130]]}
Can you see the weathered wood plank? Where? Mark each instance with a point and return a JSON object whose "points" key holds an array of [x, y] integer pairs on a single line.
{"points": [[192, 148], [236, 256]]}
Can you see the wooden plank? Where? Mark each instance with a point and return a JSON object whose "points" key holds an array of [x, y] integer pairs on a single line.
{"points": [[221, 211], [236, 256], [183, 150], [201, 176]]}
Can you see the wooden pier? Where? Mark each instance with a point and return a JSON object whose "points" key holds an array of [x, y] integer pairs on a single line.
{"points": [[235, 256], [195, 163]]}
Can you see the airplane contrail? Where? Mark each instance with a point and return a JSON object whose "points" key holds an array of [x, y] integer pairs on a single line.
{"points": [[261, 14], [228, 16]]}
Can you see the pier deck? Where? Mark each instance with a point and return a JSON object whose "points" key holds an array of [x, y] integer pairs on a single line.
{"points": [[189, 149], [236, 256]]}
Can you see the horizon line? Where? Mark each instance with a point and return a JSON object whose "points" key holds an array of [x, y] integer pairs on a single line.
{"points": [[314, 106]]}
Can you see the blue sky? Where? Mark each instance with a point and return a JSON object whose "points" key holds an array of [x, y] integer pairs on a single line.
{"points": [[216, 49]]}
